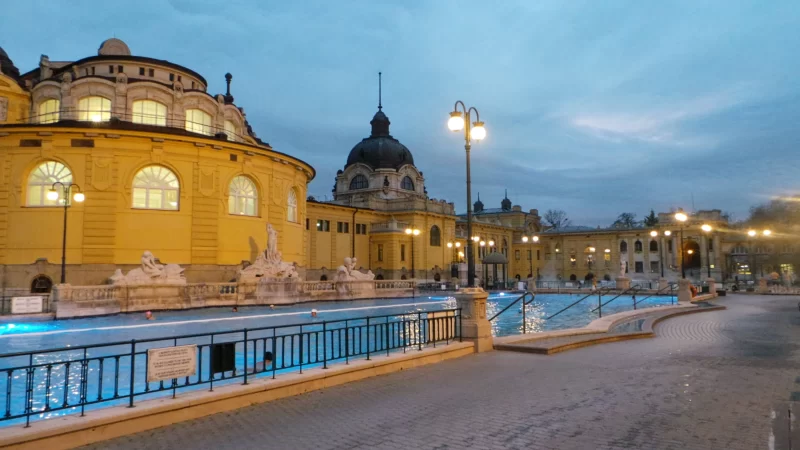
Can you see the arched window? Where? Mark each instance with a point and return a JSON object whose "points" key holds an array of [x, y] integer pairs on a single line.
{"points": [[291, 206], [403, 277], [323, 278], [407, 184], [94, 109], [41, 284], [242, 197], [573, 277], [230, 130], [637, 246], [149, 112], [379, 276], [653, 246], [156, 187], [437, 277], [436, 237], [623, 247], [359, 182], [198, 121], [48, 110], [41, 180]]}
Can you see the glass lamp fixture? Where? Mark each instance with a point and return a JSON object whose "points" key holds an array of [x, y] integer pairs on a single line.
{"points": [[456, 122]]}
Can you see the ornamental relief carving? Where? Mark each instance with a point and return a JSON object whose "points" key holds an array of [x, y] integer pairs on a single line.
{"points": [[101, 174], [206, 181]]}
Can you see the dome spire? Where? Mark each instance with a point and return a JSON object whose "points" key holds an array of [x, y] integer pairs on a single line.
{"points": [[505, 205], [380, 105], [380, 123]]}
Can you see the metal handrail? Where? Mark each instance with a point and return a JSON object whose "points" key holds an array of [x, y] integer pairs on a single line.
{"points": [[635, 288], [266, 351], [524, 304], [600, 292], [670, 286], [513, 303]]}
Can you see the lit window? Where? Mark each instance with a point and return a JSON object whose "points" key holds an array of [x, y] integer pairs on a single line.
{"points": [[94, 109], [407, 184], [198, 121], [359, 182], [291, 206], [156, 187], [230, 130], [41, 180], [48, 111], [149, 112], [243, 197]]}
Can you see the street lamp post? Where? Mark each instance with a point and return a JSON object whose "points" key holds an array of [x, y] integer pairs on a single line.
{"points": [[453, 260], [533, 240], [753, 234], [707, 228], [654, 233], [53, 195], [681, 217], [460, 120], [413, 232]]}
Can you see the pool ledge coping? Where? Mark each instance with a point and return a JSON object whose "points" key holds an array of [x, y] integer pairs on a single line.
{"points": [[72, 431], [604, 324]]}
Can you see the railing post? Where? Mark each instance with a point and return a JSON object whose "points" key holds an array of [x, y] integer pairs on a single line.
{"points": [[245, 357], [523, 314], [324, 345], [600, 305], [29, 390], [476, 326], [387, 336], [367, 338], [419, 330], [133, 360], [346, 343]]}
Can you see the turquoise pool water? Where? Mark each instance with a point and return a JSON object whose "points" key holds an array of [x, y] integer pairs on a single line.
{"points": [[57, 382]]}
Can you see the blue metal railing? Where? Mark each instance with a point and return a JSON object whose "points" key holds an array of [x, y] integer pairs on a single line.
{"points": [[69, 379]]}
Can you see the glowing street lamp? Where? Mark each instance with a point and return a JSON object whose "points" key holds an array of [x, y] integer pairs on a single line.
{"points": [[53, 195], [413, 232], [681, 217], [707, 228], [460, 120]]}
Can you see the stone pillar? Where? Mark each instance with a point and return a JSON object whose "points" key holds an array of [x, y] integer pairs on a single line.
{"points": [[532, 284], [705, 257], [684, 294], [623, 283], [662, 283], [475, 325], [712, 286]]}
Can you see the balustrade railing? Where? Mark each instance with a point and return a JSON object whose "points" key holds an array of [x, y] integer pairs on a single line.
{"points": [[49, 382]]}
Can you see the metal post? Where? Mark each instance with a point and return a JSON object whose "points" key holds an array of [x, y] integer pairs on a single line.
{"points": [[523, 313], [367, 338], [419, 330], [65, 190], [683, 266], [708, 256], [245, 357], [661, 257], [470, 253], [600, 305], [324, 345], [413, 273], [133, 358]]}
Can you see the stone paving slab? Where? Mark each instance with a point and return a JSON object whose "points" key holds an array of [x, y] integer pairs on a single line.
{"points": [[717, 380]]}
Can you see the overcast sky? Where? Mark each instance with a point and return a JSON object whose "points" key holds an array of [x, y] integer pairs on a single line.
{"points": [[593, 107]]}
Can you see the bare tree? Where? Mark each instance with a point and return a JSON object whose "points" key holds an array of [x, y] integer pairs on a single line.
{"points": [[625, 220], [556, 218]]}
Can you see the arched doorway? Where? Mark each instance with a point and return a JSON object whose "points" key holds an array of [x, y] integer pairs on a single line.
{"points": [[691, 254], [437, 277], [323, 278], [42, 284], [573, 277]]}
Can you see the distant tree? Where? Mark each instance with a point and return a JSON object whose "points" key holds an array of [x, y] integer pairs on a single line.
{"points": [[780, 213], [625, 220], [728, 216], [651, 219], [311, 198], [556, 218]]}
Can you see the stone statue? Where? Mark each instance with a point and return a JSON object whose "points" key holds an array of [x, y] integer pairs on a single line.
{"points": [[269, 263], [150, 273], [621, 268], [348, 271]]}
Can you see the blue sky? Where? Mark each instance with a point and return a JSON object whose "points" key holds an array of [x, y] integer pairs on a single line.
{"points": [[592, 107]]}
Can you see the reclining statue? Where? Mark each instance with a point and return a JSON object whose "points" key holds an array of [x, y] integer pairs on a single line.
{"points": [[269, 263], [150, 273]]}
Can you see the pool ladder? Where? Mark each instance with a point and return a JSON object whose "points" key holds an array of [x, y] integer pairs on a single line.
{"points": [[527, 298]]}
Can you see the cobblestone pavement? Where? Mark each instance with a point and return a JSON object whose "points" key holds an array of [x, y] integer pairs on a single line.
{"points": [[714, 380]]}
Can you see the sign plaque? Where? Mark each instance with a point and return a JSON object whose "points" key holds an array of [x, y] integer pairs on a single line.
{"points": [[168, 363], [26, 305]]}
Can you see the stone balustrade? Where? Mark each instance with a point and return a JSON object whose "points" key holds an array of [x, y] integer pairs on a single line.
{"points": [[79, 301]]}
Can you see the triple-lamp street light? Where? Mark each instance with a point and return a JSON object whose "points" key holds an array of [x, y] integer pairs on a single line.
{"points": [[413, 232], [533, 239], [667, 233], [455, 246], [53, 195], [681, 217], [460, 120]]}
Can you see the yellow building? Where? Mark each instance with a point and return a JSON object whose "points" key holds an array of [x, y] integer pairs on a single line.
{"points": [[163, 166]]}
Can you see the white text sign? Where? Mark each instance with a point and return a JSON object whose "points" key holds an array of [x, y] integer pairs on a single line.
{"points": [[26, 305], [171, 362]]}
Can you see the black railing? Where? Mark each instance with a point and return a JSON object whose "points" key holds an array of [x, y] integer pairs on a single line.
{"points": [[97, 116], [69, 379], [670, 286], [599, 292], [525, 303], [600, 304]]}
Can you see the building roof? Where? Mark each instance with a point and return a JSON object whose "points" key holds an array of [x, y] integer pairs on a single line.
{"points": [[7, 66], [380, 150]]}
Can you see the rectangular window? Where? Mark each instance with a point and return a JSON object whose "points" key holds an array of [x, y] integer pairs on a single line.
{"points": [[92, 70], [179, 78], [110, 69], [307, 222], [152, 72], [639, 267], [141, 70], [324, 225], [710, 245], [516, 254], [361, 228], [192, 84], [402, 252], [654, 266], [120, 69], [342, 227], [530, 255], [669, 246], [538, 255], [380, 252], [172, 77]]}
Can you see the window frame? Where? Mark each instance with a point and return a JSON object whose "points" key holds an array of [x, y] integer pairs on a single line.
{"points": [[46, 182], [145, 119], [164, 190], [86, 112], [49, 116], [406, 182], [435, 236], [358, 182], [292, 213], [192, 125], [236, 194]]}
